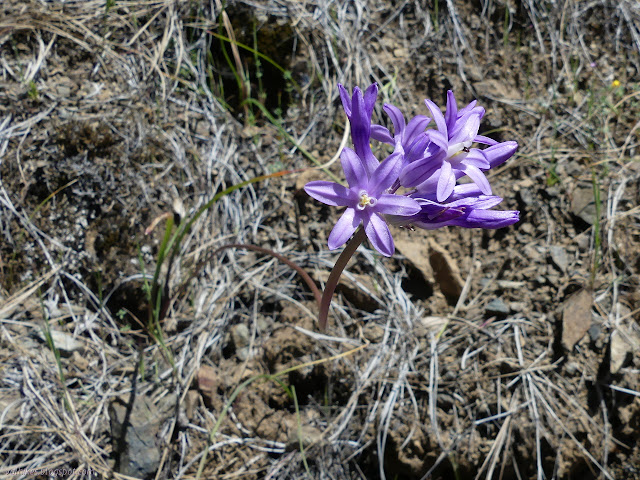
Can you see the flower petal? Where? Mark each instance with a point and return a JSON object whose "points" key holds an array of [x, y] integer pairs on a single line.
{"points": [[451, 114], [417, 148], [466, 190], [478, 178], [476, 157], [346, 100], [420, 171], [488, 219], [500, 153], [397, 205], [416, 126], [370, 96], [484, 140], [354, 170], [471, 107], [446, 182], [359, 110], [345, 227], [465, 131], [396, 118], [437, 116], [382, 134], [379, 235], [384, 176], [331, 193], [439, 139]]}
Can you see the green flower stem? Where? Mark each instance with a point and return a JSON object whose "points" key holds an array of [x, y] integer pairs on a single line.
{"points": [[334, 276]]}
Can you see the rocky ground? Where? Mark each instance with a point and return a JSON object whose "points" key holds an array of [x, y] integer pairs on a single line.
{"points": [[132, 344]]}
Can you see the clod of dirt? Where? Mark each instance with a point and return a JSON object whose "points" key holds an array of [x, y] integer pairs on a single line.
{"points": [[306, 435], [446, 271], [208, 382], [284, 347], [135, 433], [576, 318], [373, 333], [420, 281], [240, 337], [583, 204], [625, 340]]}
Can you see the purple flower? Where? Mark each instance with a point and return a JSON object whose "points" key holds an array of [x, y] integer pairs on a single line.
{"points": [[467, 207], [359, 109], [365, 199], [409, 139], [428, 162], [448, 156]]}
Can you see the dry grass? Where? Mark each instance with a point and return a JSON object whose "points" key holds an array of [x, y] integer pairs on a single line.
{"points": [[109, 116]]}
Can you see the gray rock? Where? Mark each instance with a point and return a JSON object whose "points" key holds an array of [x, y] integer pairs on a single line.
{"points": [[64, 342], [136, 437], [559, 257], [243, 353], [583, 204], [497, 306], [594, 331]]}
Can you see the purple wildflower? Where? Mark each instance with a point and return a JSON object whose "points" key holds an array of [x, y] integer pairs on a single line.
{"points": [[429, 162], [449, 156], [467, 207], [359, 109], [365, 200], [409, 139]]}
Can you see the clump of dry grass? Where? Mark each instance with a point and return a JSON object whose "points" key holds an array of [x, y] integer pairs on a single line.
{"points": [[109, 115]]}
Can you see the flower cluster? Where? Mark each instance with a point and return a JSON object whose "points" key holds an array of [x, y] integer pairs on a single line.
{"points": [[425, 166]]}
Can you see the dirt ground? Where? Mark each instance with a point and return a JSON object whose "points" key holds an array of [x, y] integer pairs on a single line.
{"points": [[506, 354]]}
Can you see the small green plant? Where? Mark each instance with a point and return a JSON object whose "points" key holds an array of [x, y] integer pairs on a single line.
{"points": [[46, 331], [434, 15], [506, 27], [239, 70], [33, 91], [596, 228], [552, 175], [299, 422]]}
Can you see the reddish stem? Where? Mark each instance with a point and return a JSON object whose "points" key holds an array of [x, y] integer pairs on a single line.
{"points": [[334, 276], [305, 276]]}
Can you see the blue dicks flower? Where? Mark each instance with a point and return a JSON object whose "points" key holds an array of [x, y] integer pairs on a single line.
{"points": [[449, 155], [359, 109], [409, 139], [467, 207], [365, 199]]}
